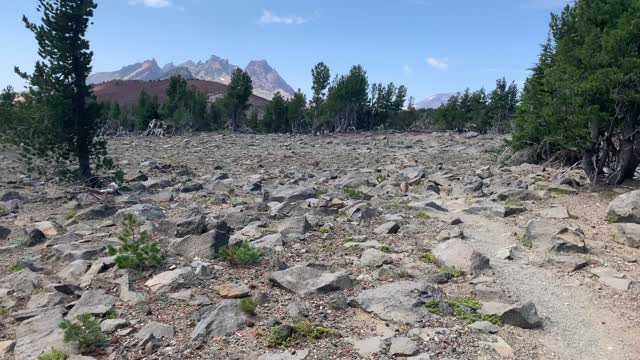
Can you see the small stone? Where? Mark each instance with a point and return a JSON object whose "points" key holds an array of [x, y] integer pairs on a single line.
{"points": [[232, 290], [484, 326], [506, 253], [158, 330], [109, 326], [403, 346], [390, 227]]}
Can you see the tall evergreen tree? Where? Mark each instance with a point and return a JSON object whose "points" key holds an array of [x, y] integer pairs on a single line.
{"points": [[59, 85], [321, 75], [297, 112], [236, 100]]}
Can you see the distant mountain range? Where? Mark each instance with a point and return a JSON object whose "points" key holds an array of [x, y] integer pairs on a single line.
{"points": [[266, 80], [434, 101]]}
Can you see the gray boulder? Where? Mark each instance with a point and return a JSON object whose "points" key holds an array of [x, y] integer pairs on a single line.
{"points": [[625, 208], [458, 254], [305, 280], [552, 236], [94, 302], [96, 212], [520, 315], [4, 233], [374, 258], [170, 280], [158, 330], [203, 246], [628, 234], [294, 225], [142, 213], [77, 251], [390, 227], [223, 319], [41, 334], [180, 228], [291, 192], [401, 301], [495, 209]]}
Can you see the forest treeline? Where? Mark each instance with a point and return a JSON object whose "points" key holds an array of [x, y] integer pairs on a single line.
{"points": [[581, 103]]}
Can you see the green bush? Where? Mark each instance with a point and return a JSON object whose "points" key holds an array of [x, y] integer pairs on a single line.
{"points": [[279, 337], [354, 193], [86, 332], [312, 330], [428, 257], [248, 306], [137, 250], [70, 214], [53, 355], [244, 254]]}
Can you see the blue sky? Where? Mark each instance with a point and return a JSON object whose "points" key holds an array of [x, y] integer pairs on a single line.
{"points": [[431, 46]]}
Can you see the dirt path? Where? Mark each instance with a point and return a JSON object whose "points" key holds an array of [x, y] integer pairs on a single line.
{"points": [[576, 326]]}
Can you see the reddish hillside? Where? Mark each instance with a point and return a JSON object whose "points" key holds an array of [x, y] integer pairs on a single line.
{"points": [[127, 92]]}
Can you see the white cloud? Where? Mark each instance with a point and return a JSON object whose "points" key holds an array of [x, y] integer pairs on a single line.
{"points": [[152, 3], [407, 70], [270, 18], [440, 64]]}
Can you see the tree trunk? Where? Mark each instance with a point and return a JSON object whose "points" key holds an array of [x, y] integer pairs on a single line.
{"points": [[627, 159]]}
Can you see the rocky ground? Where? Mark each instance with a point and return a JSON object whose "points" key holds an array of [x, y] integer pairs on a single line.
{"points": [[372, 246]]}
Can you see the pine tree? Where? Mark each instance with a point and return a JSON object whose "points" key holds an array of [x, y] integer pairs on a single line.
{"points": [[321, 75], [236, 100], [59, 85]]}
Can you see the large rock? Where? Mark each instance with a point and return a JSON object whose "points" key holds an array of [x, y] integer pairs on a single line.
{"points": [[294, 225], [96, 212], [180, 228], [169, 280], [41, 334], [457, 253], [306, 280], [625, 208], [220, 320], [374, 258], [628, 234], [77, 251], [94, 302], [203, 246], [158, 330], [551, 236], [495, 209], [142, 213], [401, 301], [4, 233], [520, 315], [291, 192]]}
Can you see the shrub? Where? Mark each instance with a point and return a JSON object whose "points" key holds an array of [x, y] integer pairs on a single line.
{"points": [[248, 306], [53, 355], [137, 250], [354, 193], [385, 249], [279, 337], [86, 333], [244, 254], [17, 267], [423, 215], [466, 308], [451, 270], [70, 214], [428, 257], [312, 330]]}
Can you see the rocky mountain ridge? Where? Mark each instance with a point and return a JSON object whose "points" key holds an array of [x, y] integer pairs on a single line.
{"points": [[266, 80]]}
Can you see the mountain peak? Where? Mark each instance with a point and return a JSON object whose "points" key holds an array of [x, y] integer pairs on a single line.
{"points": [[266, 80]]}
